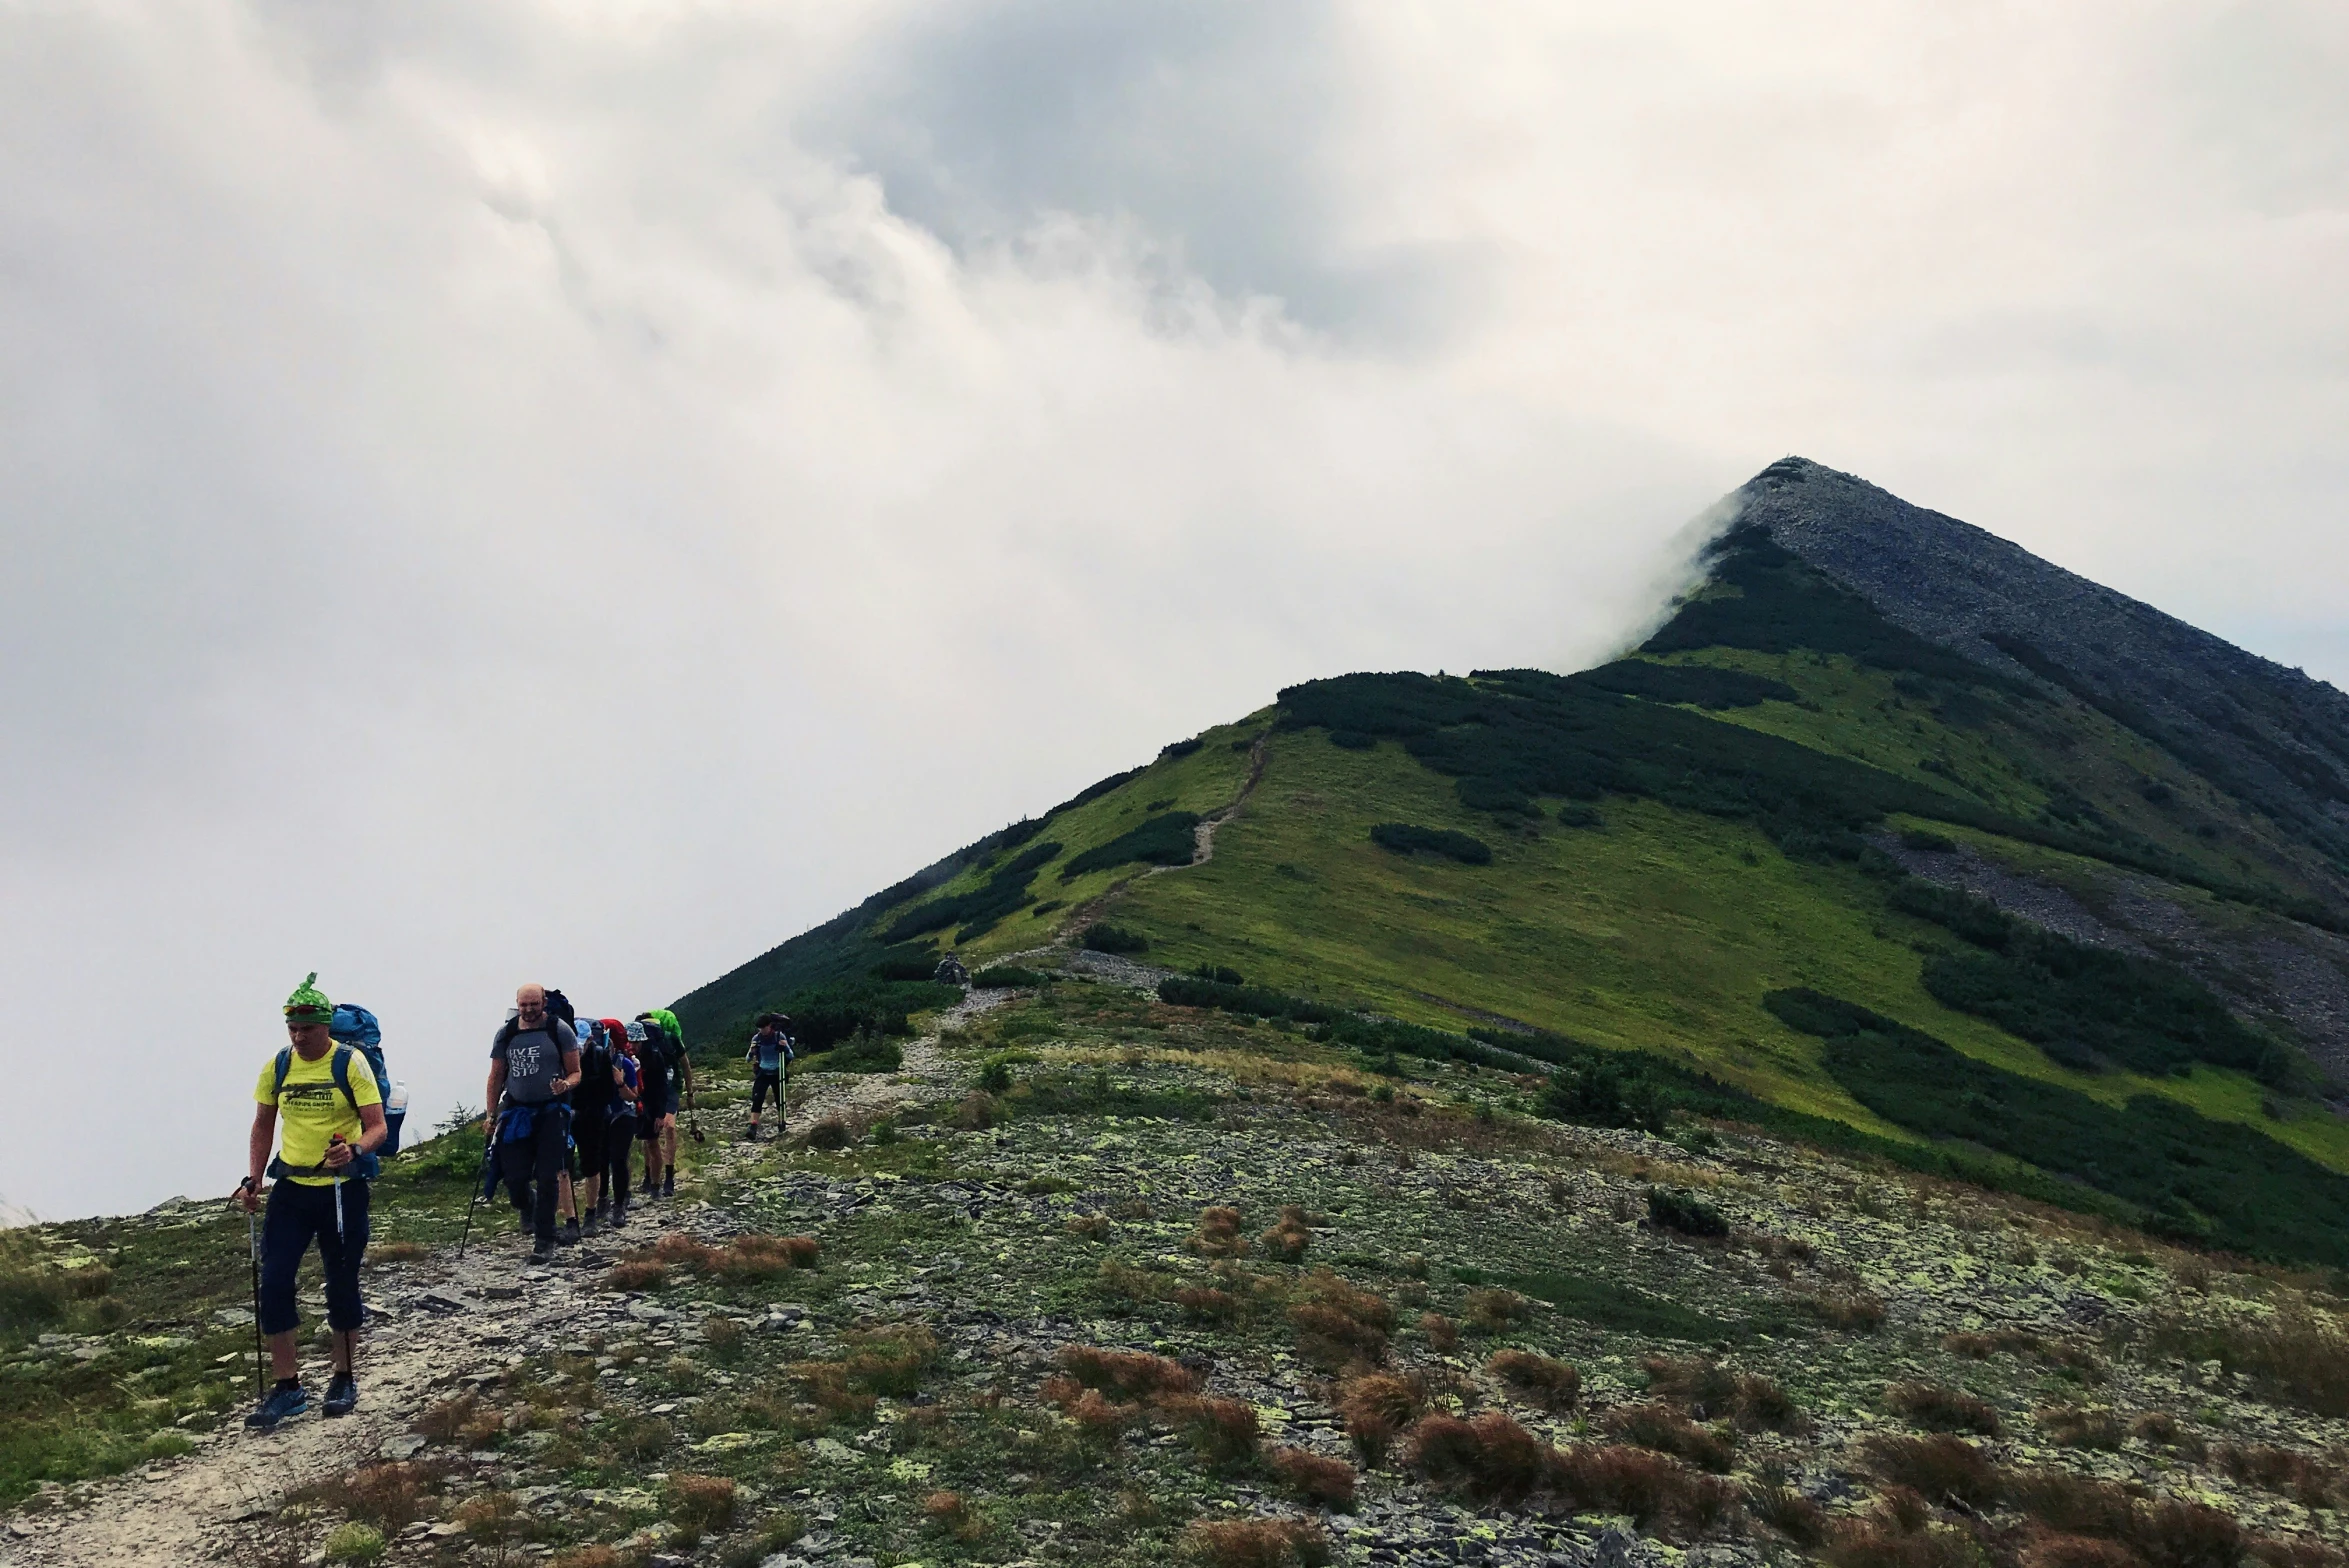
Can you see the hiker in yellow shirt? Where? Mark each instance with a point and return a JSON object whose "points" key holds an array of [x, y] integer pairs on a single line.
{"points": [[318, 1101]]}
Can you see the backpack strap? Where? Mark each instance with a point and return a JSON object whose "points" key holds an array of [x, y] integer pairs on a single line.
{"points": [[341, 1068], [284, 1065]]}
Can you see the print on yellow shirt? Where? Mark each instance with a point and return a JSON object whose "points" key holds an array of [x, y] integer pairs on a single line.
{"points": [[311, 1110]]}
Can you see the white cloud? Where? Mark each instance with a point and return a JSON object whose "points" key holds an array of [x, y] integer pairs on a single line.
{"points": [[572, 491]]}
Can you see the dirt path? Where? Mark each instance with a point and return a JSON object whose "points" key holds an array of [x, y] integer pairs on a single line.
{"points": [[437, 1323], [1202, 843]]}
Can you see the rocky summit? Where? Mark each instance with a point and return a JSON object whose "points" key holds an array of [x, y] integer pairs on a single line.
{"points": [[1852, 1079]]}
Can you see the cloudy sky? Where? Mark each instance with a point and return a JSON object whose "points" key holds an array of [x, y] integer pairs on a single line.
{"points": [[583, 489]]}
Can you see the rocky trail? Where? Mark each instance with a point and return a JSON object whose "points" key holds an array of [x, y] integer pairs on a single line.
{"points": [[439, 1325]]}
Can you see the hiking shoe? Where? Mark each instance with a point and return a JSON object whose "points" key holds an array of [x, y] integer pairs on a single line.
{"points": [[620, 1217], [342, 1393], [570, 1233], [669, 1184], [543, 1253], [750, 1134], [281, 1404], [595, 1222]]}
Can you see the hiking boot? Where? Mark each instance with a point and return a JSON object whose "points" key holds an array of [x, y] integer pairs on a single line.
{"points": [[342, 1393], [282, 1403], [542, 1253], [669, 1183], [595, 1222], [750, 1134], [570, 1233], [620, 1217]]}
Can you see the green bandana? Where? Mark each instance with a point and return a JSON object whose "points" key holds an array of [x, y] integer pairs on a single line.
{"points": [[308, 1004]]}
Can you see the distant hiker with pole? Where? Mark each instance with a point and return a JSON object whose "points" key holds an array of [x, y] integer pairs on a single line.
{"points": [[620, 1138], [533, 1062], [326, 1104], [664, 1048], [770, 1057]]}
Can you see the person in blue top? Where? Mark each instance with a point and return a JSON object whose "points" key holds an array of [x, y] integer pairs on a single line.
{"points": [[770, 1056]]}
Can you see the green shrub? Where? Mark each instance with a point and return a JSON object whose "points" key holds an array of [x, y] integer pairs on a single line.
{"points": [[1180, 748], [355, 1543], [2178, 1171], [1106, 938], [1164, 840], [1218, 974], [1406, 839], [863, 1053], [1352, 740], [1700, 685], [1496, 795], [1676, 1209], [1006, 977], [977, 910], [1576, 815], [1605, 1091]]}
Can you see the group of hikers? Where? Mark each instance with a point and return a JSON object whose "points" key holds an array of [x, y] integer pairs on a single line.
{"points": [[568, 1101]]}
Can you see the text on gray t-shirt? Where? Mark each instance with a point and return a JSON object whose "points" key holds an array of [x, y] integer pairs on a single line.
{"points": [[534, 1060]]}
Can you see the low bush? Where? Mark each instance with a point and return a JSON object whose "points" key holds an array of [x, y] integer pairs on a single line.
{"points": [[391, 1496], [1712, 1392], [2310, 1481], [1008, 977], [1940, 1408], [1168, 839], [1442, 1333], [1092, 1227], [1217, 974], [354, 1543], [465, 1420], [1536, 1379], [1407, 839], [1207, 1304], [830, 1134], [1101, 937], [1676, 1209], [1574, 814], [1647, 1486], [1339, 1323]]}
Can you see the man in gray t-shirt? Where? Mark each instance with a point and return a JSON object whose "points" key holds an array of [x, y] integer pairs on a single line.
{"points": [[533, 1062]]}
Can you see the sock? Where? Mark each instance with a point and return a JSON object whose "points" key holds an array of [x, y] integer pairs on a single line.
{"points": [[284, 1383]]}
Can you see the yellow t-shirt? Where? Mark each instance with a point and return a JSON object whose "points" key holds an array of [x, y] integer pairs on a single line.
{"points": [[311, 1110]]}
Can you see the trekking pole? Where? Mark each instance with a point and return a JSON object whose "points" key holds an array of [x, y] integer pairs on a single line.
{"points": [[253, 1255], [487, 1150]]}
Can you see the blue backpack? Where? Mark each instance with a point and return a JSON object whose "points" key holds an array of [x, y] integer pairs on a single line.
{"points": [[359, 1029]]}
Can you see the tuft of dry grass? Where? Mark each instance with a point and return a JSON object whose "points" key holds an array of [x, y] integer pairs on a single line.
{"points": [[1092, 1227], [1289, 1237], [1940, 1408], [1711, 1392], [399, 1252], [1536, 1379], [1340, 1324], [1658, 1426], [1376, 1407], [1205, 1304], [1853, 1311], [1127, 1374], [2074, 1360], [1787, 1511], [2295, 1356], [1220, 1431], [698, 1504], [1441, 1331], [1490, 1459], [1256, 1543], [387, 1495], [636, 1274], [831, 1134], [1941, 1469], [2071, 1426], [2305, 1479], [1314, 1478], [1650, 1488], [464, 1419], [1492, 1310], [1218, 1233]]}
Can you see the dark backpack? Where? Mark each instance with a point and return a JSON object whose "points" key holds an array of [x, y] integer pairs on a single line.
{"points": [[367, 1166], [595, 1067], [559, 1006]]}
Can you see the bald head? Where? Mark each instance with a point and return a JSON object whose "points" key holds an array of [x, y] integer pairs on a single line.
{"points": [[530, 1002]]}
